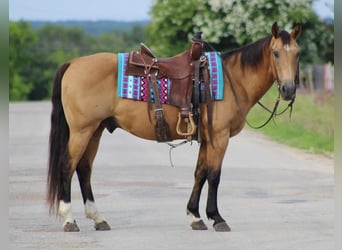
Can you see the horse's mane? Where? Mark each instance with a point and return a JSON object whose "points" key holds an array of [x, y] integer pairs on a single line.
{"points": [[252, 54]]}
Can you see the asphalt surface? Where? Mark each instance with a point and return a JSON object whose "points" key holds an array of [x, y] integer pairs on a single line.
{"points": [[272, 196]]}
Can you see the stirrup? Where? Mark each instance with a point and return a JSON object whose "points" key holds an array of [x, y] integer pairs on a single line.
{"points": [[191, 125]]}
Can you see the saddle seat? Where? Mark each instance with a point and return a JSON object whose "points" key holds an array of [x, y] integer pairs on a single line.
{"points": [[176, 67]]}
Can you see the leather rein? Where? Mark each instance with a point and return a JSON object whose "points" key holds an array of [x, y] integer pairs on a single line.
{"points": [[273, 112]]}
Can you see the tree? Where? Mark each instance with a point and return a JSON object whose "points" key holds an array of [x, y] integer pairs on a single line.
{"points": [[171, 25], [108, 42], [56, 45], [317, 42], [231, 24], [134, 37], [20, 38], [35, 54]]}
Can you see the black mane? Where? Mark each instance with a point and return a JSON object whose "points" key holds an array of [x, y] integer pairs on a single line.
{"points": [[251, 55]]}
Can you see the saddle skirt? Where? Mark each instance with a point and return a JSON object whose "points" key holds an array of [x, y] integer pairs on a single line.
{"points": [[136, 87]]}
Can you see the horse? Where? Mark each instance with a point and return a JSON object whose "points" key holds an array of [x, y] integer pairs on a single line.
{"points": [[85, 102]]}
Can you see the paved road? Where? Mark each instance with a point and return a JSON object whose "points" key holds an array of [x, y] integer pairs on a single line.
{"points": [[272, 196]]}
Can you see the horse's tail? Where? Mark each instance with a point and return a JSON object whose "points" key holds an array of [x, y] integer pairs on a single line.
{"points": [[59, 136]]}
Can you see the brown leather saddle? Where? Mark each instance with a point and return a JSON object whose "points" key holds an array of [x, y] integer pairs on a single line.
{"points": [[186, 70]]}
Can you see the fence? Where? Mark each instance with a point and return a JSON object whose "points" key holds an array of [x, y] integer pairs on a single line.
{"points": [[317, 78]]}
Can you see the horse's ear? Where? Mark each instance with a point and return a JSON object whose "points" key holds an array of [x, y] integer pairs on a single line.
{"points": [[275, 30], [297, 30]]}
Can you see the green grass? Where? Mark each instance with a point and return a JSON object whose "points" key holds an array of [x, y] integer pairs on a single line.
{"points": [[311, 126]]}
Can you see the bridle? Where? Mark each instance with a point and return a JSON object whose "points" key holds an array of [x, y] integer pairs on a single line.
{"points": [[273, 113], [276, 104]]}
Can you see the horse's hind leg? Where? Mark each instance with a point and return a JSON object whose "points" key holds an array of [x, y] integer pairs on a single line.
{"points": [[78, 142], [84, 169]]}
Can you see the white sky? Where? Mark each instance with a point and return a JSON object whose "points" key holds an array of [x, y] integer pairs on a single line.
{"points": [[120, 10], [52, 10]]}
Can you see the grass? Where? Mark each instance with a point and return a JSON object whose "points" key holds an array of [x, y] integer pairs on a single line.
{"points": [[311, 126]]}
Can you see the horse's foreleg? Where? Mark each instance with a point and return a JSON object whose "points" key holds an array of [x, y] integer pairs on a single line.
{"points": [[212, 209], [77, 144], [214, 163], [200, 178], [84, 169]]}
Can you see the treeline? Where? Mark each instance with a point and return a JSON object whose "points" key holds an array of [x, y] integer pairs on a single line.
{"points": [[94, 27], [36, 52]]}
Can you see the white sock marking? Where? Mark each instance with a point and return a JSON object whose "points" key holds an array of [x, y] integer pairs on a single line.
{"points": [[65, 211], [92, 213], [194, 218]]}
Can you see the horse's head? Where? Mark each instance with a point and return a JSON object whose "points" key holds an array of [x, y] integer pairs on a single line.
{"points": [[285, 58]]}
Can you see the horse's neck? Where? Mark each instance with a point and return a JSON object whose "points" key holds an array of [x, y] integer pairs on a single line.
{"points": [[254, 82]]}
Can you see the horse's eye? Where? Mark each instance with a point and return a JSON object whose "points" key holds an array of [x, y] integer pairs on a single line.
{"points": [[297, 55], [276, 54]]}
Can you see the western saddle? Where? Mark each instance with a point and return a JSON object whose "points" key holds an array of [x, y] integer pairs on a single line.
{"points": [[186, 71]]}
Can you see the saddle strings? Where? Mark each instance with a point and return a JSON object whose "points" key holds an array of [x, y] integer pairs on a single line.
{"points": [[172, 146]]}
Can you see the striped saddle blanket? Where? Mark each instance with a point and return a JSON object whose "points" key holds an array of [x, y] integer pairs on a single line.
{"points": [[136, 87]]}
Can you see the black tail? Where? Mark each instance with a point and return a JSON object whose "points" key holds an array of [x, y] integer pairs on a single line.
{"points": [[59, 136]]}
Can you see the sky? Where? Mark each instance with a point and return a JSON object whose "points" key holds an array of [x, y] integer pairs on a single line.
{"points": [[119, 10], [53, 10]]}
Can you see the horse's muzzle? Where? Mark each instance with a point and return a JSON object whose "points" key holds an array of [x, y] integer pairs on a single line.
{"points": [[288, 90]]}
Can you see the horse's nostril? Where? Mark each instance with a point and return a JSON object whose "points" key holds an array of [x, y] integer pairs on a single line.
{"points": [[287, 91], [283, 88]]}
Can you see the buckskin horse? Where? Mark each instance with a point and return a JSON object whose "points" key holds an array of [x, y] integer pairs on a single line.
{"points": [[85, 102]]}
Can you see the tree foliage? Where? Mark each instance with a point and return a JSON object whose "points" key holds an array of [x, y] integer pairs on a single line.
{"points": [[229, 24], [21, 37], [35, 54]]}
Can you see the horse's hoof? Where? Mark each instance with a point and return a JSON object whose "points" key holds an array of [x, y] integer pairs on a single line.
{"points": [[198, 225], [71, 227], [221, 227], [102, 226]]}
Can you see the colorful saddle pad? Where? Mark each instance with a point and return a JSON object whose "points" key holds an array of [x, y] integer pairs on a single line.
{"points": [[136, 87]]}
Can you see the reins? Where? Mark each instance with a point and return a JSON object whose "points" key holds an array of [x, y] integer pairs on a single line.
{"points": [[273, 112]]}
